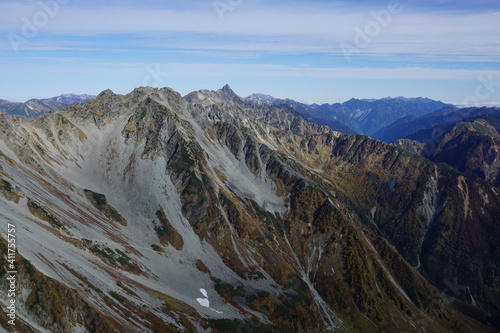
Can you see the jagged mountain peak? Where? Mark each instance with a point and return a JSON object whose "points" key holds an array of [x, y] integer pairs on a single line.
{"points": [[107, 107], [162, 95], [228, 95], [209, 97], [227, 89]]}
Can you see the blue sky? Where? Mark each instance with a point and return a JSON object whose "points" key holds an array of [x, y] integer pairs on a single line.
{"points": [[311, 51]]}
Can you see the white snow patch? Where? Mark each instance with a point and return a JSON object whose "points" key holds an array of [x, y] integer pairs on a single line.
{"points": [[204, 302]]}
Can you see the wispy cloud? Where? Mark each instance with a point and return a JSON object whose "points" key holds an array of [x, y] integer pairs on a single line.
{"points": [[307, 29], [260, 70], [445, 40]]}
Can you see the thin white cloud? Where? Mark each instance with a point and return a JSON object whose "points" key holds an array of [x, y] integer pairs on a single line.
{"points": [[274, 29], [403, 73], [263, 70], [250, 40]]}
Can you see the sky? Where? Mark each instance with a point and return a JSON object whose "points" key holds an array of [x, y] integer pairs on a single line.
{"points": [[311, 51]]}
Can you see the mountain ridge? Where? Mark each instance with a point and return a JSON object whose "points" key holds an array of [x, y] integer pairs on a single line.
{"points": [[333, 115], [272, 211], [467, 140], [37, 107], [356, 115]]}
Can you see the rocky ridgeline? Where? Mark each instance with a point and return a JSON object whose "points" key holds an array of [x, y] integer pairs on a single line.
{"points": [[140, 201]]}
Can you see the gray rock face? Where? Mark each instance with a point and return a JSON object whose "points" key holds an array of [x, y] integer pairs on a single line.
{"points": [[127, 206]]}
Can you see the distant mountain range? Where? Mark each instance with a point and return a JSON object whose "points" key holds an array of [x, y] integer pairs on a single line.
{"points": [[357, 116], [37, 107]]}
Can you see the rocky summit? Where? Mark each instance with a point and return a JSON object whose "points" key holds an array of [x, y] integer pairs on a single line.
{"points": [[154, 212]]}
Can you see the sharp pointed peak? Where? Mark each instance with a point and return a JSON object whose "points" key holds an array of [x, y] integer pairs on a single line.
{"points": [[226, 88], [228, 91], [223, 95]]}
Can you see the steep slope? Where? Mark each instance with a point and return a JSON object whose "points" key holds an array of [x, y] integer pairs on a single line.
{"points": [[37, 107], [166, 213], [415, 211], [467, 139], [471, 147]]}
